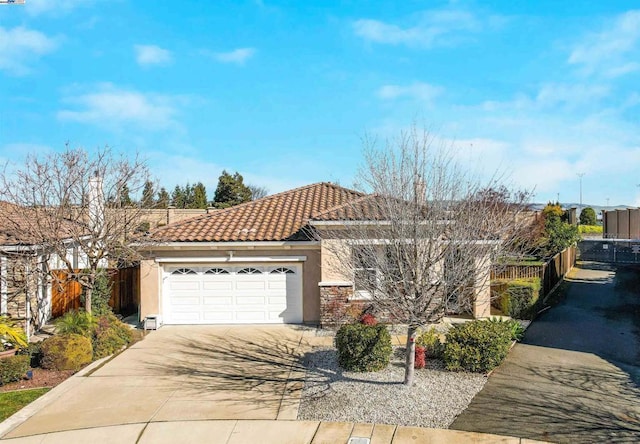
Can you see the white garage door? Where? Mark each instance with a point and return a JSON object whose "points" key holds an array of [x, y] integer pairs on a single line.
{"points": [[238, 294]]}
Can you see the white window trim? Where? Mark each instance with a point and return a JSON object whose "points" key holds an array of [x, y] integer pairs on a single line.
{"points": [[241, 259], [3, 285]]}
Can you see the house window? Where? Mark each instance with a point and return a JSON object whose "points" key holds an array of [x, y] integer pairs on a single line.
{"points": [[249, 270], [216, 271], [282, 270], [364, 272], [181, 271]]}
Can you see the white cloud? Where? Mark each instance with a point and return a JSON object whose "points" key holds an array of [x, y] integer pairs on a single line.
{"points": [[432, 28], [19, 46], [608, 50], [418, 90], [152, 55], [113, 107], [238, 56], [552, 94], [37, 7]]}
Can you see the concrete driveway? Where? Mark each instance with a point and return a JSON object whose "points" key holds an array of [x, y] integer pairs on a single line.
{"points": [[185, 373], [576, 376]]}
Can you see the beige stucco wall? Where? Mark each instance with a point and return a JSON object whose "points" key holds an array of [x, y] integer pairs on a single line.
{"points": [[333, 254], [151, 274], [149, 288]]}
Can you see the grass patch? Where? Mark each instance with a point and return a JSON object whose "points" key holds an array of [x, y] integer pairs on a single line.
{"points": [[11, 402]]}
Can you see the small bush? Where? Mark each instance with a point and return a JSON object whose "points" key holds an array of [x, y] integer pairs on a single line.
{"points": [[110, 336], [520, 297], [34, 353], [477, 346], [368, 319], [516, 329], [77, 323], [13, 368], [66, 352], [363, 348], [590, 229], [430, 340], [101, 294], [420, 361]]}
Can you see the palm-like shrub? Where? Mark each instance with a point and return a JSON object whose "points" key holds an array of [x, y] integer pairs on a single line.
{"points": [[76, 322]]}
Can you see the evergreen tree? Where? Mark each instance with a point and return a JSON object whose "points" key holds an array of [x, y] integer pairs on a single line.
{"points": [[178, 197], [163, 198], [147, 195], [199, 196], [125, 199], [231, 191], [588, 217]]}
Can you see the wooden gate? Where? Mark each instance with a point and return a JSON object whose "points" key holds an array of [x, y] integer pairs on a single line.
{"points": [[65, 293]]}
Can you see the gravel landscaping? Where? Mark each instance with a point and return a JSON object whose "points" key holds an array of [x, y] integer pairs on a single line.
{"points": [[435, 400]]}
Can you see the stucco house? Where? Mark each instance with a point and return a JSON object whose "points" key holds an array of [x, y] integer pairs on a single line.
{"points": [[26, 264], [257, 262]]}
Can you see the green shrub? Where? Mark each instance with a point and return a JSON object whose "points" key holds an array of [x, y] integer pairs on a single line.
{"points": [[477, 346], [590, 229], [101, 294], [363, 348], [518, 298], [13, 368], [516, 329], [430, 340], [34, 353], [110, 336], [66, 352], [77, 323]]}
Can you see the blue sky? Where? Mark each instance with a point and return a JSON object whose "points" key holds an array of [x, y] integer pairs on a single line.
{"points": [[283, 92]]}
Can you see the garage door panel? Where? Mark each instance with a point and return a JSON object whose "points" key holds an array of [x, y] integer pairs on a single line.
{"points": [[220, 285], [180, 300], [184, 285], [217, 300], [209, 296]]}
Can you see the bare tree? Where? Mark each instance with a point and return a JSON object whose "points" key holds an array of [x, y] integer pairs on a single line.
{"points": [[422, 242], [69, 204], [258, 192]]}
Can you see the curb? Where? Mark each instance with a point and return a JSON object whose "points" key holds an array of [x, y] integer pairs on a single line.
{"points": [[31, 409]]}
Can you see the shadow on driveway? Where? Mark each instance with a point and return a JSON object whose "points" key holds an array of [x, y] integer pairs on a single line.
{"points": [[575, 377]]}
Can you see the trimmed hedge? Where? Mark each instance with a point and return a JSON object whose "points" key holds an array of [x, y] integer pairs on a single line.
{"points": [[430, 340], [477, 346], [13, 368], [363, 348], [518, 297], [66, 352]]}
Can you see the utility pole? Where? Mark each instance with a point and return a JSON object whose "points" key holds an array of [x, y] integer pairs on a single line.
{"points": [[580, 207], [607, 201]]}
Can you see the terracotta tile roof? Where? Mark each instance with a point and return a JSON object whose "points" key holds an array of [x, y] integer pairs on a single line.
{"points": [[368, 207], [17, 226], [273, 218]]}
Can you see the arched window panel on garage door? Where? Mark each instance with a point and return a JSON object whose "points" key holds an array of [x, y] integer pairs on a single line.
{"points": [[216, 271], [182, 271], [249, 270], [282, 270]]}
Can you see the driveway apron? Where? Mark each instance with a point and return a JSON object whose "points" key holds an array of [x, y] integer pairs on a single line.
{"points": [[576, 376], [185, 373]]}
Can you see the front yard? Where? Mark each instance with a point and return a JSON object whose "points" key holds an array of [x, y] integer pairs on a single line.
{"points": [[11, 402], [437, 397]]}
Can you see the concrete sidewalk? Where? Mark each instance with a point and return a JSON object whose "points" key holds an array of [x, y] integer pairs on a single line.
{"points": [[264, 432]]}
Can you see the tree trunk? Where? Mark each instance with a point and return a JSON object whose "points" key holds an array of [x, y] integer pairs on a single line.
{"points": [[87, 299], [410, 359]]}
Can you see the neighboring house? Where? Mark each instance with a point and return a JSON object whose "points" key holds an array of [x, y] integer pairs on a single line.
{"points": [[26, 267], [257, 262]]}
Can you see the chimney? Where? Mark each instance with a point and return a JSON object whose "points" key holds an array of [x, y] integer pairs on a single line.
{"points": [[95, 201]]}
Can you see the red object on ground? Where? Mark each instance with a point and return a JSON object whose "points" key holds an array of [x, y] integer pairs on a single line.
{"points": [[420, 357], [368, 319]]}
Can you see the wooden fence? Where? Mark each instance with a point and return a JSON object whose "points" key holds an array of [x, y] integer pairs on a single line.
{"points": [[550, 273], [66, 293]]}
